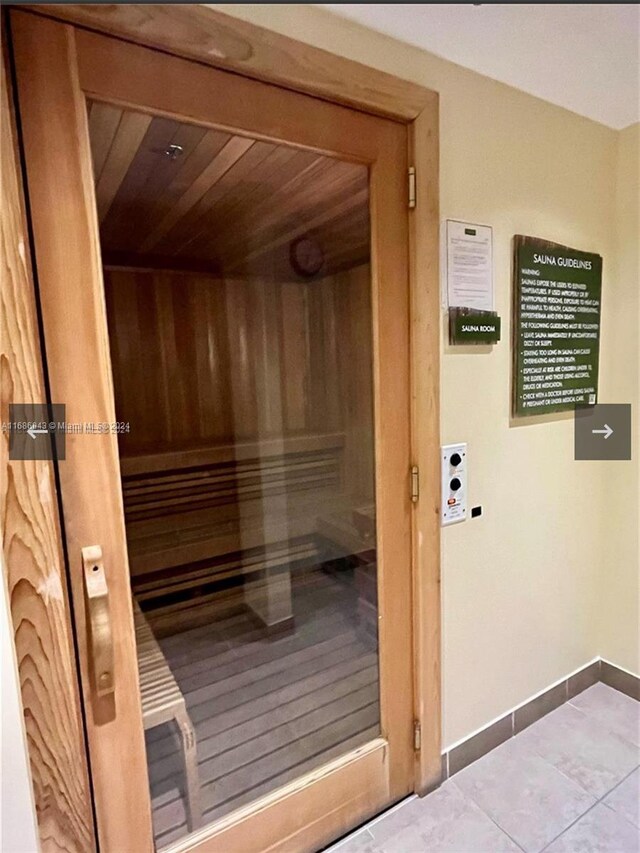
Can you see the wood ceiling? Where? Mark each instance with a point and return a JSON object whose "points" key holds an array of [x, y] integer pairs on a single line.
{"points": [[227, 204]]}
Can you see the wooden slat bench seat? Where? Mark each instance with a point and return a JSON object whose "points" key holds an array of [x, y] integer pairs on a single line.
{"points": [[189, 537], [163, 702], [248, 511], [231, 565], [195, 505]]}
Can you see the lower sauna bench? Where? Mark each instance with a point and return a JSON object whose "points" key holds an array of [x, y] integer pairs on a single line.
{"points": [[163, 702]]}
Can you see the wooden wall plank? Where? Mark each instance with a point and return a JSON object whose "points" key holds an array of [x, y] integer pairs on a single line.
{"points": [[236, 175], [294, 338], [183, 174], [231, 214], [103, 124], [196, 194], [127, 139], [268, 194], [199, 361], [143, 181], [33, 559], [356, 376]]}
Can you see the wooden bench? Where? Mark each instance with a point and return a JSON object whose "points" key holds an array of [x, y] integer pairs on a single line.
{"points": [[245, 510], [163, 702]]}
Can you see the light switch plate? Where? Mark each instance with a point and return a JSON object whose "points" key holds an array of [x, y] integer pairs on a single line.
{"points": [[454, 483]]}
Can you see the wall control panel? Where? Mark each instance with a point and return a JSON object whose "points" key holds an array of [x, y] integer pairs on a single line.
{"points": [[454, 483]]}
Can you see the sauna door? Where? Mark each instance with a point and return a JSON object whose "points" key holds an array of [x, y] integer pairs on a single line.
{"points": [[222, 267]]}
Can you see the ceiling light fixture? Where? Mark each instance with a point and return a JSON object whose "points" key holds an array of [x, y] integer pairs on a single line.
{"points": [[174, 151]]}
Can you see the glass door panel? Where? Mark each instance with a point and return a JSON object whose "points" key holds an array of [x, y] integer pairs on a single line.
{"points": [[238, 293]]}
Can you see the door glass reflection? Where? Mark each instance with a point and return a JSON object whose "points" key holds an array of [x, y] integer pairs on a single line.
{"points": [[238, 293]]}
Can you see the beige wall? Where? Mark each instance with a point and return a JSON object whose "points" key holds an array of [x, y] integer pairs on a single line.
{"points": [[620, 602], [531, 590]]}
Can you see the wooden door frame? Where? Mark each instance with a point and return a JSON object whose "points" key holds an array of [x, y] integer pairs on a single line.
{"points": [[213, 38], [33, 565]]}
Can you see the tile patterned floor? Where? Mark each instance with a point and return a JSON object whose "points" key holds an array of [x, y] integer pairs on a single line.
{"points": [[569, 783]]}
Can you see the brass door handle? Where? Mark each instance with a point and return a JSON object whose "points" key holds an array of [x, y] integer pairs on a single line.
{"points": [[98, 621]]}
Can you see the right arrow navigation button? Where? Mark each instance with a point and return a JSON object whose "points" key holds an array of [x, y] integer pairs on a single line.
{"points": [[607, 431], [603, 431]]}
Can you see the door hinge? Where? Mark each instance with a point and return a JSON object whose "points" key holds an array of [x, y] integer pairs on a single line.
{"points": [[417, 735], [415, 483], [412, 187]]}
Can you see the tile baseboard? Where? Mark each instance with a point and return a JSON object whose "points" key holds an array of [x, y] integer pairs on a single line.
{"points": [[551, 699], [478, 744], [620, 679]]}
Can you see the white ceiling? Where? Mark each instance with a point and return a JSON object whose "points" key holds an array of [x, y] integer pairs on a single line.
{"points": [[579, 56]]}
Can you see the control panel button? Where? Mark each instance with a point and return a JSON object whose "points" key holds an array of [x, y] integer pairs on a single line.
{"points": [[453, 483]]}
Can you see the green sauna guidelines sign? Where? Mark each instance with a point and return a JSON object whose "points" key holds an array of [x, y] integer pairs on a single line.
{"points": [[556, 327]]}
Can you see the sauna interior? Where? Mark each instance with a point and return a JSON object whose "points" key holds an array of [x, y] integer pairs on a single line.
{"points": [[238, 296]]}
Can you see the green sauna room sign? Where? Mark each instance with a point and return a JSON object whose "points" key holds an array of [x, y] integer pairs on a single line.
{"points": [[556, 327]]}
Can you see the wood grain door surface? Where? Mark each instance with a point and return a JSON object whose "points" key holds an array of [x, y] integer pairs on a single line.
{"points": [[58, 68]]}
